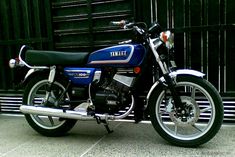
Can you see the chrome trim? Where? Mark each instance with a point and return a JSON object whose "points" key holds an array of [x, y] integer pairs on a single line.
{"points": [[44, 111], [30, 72], [97, 76], [52, 74], [70, 114], [13, 63], [129, 110], [187, 72], [127, 81], [125, 42], [87, 71], [157, 57]]}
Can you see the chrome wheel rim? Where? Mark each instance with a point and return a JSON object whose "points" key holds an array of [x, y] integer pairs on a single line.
{"points": [[37, 96], [198, 125]]}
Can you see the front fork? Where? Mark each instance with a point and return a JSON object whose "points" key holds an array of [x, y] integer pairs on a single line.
{"points": [[171, 85], [154, 44]]}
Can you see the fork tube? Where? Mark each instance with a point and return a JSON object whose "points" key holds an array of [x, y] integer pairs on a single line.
{"points": [[165, 71], [153, 48], [171, 86]]}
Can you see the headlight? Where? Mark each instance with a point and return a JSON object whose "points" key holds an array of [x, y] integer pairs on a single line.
{"points": [[168, 38]]}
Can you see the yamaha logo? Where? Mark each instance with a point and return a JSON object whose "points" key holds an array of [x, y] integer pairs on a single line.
{"points": [[118, 53]]}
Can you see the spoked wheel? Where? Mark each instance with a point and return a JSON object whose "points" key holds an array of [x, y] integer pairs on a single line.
{"points": [[36, 95], [197, 122]]}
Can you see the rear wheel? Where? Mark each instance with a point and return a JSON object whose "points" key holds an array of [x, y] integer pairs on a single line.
{"points": [[36, 94], [200, 119]]}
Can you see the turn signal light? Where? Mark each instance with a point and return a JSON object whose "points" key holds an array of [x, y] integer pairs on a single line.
{"points": [[137, 70], [168, 38]]}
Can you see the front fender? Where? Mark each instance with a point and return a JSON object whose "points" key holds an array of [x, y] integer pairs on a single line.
{"points": [[174, 74], [187, 72]]}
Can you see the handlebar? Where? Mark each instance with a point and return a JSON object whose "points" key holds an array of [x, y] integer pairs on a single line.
{"points": [[139, 27], [123, 24]]}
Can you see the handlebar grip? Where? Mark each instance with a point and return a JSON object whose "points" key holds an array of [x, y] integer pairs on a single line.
{"points": [[123, 24], [118, 23]]}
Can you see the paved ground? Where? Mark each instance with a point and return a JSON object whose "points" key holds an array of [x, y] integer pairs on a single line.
{"points": [[87, 139]]}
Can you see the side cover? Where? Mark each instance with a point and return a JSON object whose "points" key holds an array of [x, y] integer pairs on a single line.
{"points": [[80, 76], [118, 56]]}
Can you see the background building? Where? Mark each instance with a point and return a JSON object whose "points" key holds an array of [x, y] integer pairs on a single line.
{"points": [[204, 35]]}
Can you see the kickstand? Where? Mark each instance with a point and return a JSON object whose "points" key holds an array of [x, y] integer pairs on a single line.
{"points": [[106, 125]]}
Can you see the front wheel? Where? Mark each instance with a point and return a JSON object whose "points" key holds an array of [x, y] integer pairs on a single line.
{"points": [[36, 94], [200, 119]]}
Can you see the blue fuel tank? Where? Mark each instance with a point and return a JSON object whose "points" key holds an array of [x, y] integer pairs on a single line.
{"points": [[127, 55]]}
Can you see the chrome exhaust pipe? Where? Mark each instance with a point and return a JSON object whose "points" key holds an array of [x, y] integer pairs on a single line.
{"points": [[45, 111], [71, 114]]}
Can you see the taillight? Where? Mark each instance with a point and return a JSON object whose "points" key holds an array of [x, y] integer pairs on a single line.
{"points": [[15, 63]]}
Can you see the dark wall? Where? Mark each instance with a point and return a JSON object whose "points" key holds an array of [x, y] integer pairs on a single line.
{"points": [[84, 25], [204, 37], [22, 22]]}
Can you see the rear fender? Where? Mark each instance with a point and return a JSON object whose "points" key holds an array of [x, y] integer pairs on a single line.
{"points": [[173, 74], [33, 73]]}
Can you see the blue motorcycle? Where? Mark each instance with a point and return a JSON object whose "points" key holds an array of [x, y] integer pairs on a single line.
{"points": [[138, 76]]}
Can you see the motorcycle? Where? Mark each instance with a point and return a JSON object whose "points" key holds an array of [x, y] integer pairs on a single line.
{"points": [[112, 83]]}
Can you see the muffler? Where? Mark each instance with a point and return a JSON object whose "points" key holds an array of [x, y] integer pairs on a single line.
{"points": [[45, 111]]}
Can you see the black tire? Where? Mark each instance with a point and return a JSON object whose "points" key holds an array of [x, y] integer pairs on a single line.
{"points": [[189, 133], [59, 127]]}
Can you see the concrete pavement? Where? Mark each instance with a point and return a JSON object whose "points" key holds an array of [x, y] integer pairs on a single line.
{"points": [[87, 139]]}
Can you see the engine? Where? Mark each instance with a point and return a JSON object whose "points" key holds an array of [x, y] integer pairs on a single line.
{"points": [[115, 96]]}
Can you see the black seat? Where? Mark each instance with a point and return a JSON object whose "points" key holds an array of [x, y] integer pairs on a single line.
{"points": [[49, 58]]}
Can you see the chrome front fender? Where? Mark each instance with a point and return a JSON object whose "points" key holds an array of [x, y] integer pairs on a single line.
{"points": [[187, 72], [174, 74]]}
